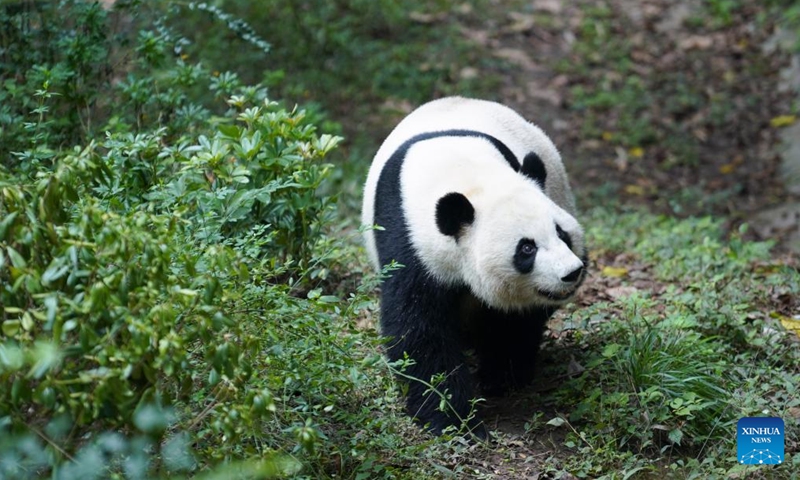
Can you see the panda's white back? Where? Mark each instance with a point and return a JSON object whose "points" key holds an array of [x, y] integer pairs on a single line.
{"points": [[458, 113]]}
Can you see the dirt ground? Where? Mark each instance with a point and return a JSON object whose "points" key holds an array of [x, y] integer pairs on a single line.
{"points": [[736, 76], [701, 131], [729, 115]]}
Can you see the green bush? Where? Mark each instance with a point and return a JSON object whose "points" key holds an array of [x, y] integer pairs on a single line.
{"points": [[122, 272], [167, 303]]}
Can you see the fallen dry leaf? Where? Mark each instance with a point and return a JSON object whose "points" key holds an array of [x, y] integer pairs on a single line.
{"points": [[622, 291], [421, 17], [468, 73], [549, 6], [574, 368], [634, 190], [791, 324], [614, 272], [783, 121], [520, 22], [696, 42], [517, 57]]}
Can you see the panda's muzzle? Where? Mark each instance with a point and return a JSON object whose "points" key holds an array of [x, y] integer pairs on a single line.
{"points": [[573, 276], [571, 281], [557, 297]]}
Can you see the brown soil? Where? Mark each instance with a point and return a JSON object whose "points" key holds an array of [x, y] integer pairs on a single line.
{"points": [[733, 171], [724, 117]]}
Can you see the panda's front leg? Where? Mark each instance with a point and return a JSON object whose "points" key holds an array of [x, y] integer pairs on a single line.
{"points": [[507, 346], [418, 317]]}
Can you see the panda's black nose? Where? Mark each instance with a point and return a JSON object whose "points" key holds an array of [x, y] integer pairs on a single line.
{"points": [[573, 275]]}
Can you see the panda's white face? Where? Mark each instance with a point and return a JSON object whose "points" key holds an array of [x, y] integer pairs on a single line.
{"points": [[523, 253]]}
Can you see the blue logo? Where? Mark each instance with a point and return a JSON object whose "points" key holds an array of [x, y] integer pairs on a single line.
{"points": [[759, 441]]}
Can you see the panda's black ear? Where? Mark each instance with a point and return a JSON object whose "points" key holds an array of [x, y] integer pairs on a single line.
{"points": [[453, 211], [533, 168]]}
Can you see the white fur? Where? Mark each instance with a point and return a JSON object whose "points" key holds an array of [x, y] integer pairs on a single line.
{"points": [[508, 205]]}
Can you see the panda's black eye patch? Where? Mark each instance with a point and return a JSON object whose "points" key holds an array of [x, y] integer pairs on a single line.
{"points": [[525, 255], [564, 236]]}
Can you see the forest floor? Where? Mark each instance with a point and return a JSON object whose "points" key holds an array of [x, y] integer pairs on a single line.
{"points": [[676, 106], [652, 104], [664, 104]]}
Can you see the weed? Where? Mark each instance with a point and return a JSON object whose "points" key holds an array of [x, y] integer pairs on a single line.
{"points": [[657, 386]]}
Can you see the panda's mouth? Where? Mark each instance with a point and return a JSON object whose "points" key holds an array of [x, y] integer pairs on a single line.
{"points": [[557, 296]]}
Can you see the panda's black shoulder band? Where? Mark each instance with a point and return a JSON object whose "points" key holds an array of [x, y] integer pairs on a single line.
{"points": [[501, 147]]}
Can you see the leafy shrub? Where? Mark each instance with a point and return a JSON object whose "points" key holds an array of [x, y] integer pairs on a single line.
{"points": [[110, 305], [165, 305], [48, 47]]}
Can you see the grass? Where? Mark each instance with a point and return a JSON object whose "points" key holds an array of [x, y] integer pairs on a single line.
{"points": [[673, 364]]}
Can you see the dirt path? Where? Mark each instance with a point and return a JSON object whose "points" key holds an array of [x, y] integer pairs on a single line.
{"points": [[695, 132], [659, 103]]}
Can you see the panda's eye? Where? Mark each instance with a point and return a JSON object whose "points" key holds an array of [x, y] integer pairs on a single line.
{"points": [[527, 248], [525, 256]]}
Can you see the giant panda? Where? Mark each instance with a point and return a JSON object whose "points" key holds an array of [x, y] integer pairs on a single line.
{"points": [[474, 202]]}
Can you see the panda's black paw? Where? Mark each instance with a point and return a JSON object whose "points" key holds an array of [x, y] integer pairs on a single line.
{"points": [[475, 431], [499, 383], [472, 430], [493, 385], [494, 390], [479, 432]]}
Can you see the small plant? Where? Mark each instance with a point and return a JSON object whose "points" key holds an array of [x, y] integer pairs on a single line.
{"points": [[671, 368]]}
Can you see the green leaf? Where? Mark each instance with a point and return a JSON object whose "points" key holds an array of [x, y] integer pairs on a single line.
{"points": [[611, 350], [47, 356], [6, 222], [177, 453], [51, 303], [228, 130], [314, 294], [27, 321], [213, 377], [327, 142], [16, 259], [11, 327], [152, 419], [675, 436], [11, 357], [556, 422], [56, 270]]}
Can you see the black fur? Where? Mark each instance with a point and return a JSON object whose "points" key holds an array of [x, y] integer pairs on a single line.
{"points": [[428, 321], [533, 167], [564, 236], [523, 261], [506, 344], [453, 211]]}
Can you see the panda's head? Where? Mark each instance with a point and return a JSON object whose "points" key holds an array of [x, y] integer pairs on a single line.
{"points": [[517, 250]]}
